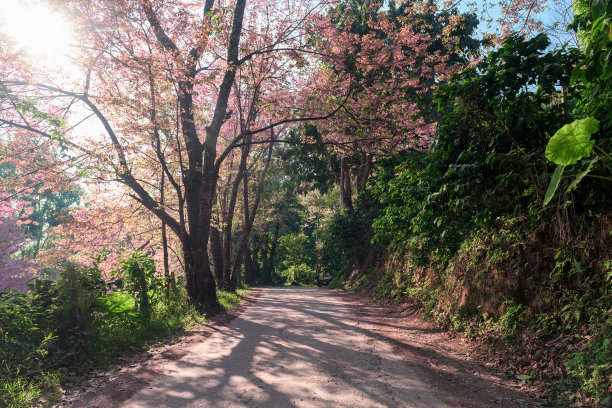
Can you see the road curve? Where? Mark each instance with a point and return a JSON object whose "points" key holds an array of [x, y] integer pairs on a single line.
{"points": [[295, 347]]}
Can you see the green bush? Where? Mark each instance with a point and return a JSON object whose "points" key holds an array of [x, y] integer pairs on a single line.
{"points": [[591, 368], [487, 157], [230, 299], [300, 274], [81, 321]]}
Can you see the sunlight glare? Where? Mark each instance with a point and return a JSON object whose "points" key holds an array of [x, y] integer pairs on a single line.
{"points": [[37, 29]]}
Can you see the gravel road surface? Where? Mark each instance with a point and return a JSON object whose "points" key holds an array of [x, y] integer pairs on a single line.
{"points": [[295, 347]]}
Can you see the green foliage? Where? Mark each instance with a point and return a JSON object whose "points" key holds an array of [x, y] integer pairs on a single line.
{"points": [[592, 368], [401, 190], [306, 164], [24, 335], [594, 72], [230, 299], [511, 318], [586, 311], [82, 321], [137, 275], [572, 142], [291, 249], [348, 236], [554, 183], [593, 19], [300, 274], [295, 251], [20, 392], [547, 325], [119, 326], [487, 156]]}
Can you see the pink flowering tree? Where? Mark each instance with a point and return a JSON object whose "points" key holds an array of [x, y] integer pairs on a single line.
{"points": [[105, 231], [33, 174], [171, 85], [390, 62]]}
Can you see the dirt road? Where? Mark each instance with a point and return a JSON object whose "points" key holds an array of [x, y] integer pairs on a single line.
{"points": [[295, 347]]}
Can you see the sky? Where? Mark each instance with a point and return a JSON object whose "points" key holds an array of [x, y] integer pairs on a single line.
{"points": [[37, 29], [46, 35]]}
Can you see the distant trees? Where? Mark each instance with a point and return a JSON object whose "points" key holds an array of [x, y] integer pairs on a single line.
{"points": [[13, 270]]}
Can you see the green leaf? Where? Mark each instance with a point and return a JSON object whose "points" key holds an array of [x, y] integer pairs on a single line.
{"points": [[523, 377], [597, 7], [577, 73], [581, 175], [554, 184], [572, 142]]}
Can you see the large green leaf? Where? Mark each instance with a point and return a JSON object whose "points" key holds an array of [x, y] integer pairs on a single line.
{"points": [[572, 142], [554, 184]]}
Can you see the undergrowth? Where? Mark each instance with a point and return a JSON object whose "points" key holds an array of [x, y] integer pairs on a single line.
{"points": [[64, 329], [541, 307]]}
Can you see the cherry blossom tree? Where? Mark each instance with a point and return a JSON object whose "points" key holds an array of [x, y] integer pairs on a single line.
{"points": [[158, 77], [34, 185], [389, 61]]}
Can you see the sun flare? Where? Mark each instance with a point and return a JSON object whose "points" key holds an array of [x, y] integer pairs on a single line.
{"points": [[37, 29]]}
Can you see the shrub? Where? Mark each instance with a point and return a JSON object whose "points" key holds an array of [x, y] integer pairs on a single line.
{"points": [[300, 274]]}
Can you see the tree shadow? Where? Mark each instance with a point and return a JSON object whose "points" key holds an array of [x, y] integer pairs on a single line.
{"points": [[296, 347]]}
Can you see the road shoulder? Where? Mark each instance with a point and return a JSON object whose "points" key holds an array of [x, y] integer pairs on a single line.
{"points": [[446, 361], [131, 374]]}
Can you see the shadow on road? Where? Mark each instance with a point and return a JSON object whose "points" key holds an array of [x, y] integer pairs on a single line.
{"points": [[294, 347]]}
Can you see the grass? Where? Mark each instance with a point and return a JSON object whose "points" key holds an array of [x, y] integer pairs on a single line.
{"points": [[22, 392], [130, 331], [115, 328], [230, 299]]}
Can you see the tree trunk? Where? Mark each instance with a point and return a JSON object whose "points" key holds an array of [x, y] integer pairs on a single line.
{"points": [[144, 306], [256, 242], [342, 175], [200, 175], [216, 250], [270, 263], [37, 248], [200, 280], [169, 278], [264, 256], [201, 286], [248, 222], [248, 262], [228, 279], [73, 287], [346, 194], [363, 172], [249, 268]]}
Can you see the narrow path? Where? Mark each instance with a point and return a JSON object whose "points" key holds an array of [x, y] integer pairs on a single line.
{"points": [[295, 347]]}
